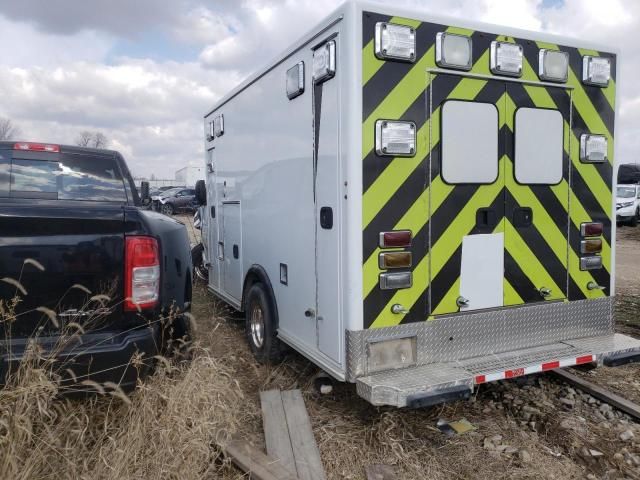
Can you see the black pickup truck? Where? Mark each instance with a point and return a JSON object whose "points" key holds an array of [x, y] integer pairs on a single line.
{"points": [[95, 275]]}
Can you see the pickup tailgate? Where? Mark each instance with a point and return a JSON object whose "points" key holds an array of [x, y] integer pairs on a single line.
{"points": [[81, 250], [63, 209]]}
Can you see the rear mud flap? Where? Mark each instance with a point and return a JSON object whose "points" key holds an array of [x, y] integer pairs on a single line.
{"points": [[434, 383]]}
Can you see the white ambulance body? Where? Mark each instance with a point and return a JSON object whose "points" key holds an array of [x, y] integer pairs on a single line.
{"points": [[363, 206]]}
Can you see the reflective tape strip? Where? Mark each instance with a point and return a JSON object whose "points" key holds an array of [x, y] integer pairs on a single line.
{"points": [[542, 367]]}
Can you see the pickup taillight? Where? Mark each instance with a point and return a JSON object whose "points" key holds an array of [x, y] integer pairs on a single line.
{"points": [[142, 273]]}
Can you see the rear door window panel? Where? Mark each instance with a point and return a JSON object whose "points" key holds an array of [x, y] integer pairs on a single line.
{"points": [[67, 177]]}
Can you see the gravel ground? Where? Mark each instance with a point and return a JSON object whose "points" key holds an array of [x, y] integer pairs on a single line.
{"points": [[535, 427]]}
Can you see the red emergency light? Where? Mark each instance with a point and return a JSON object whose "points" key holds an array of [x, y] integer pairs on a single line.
{"points": [[398, 238], [591, 229]]}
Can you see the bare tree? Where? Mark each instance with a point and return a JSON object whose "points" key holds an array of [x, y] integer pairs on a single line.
{"points": [[100, 140], [8, 130], [92, 139]]}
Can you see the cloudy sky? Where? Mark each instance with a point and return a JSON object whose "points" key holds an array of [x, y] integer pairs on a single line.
{"points": [[145, 71]]}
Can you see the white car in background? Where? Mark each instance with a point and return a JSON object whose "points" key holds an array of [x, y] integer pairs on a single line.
{"points": [[628, 204]]}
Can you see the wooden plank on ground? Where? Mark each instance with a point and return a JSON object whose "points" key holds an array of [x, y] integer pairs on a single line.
{"points": [[600, 393], [380, 472], [276, 432], [258, 465], [305, 449]]}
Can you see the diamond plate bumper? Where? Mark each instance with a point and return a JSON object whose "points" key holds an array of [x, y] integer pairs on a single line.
{"points": [[446, 380]]}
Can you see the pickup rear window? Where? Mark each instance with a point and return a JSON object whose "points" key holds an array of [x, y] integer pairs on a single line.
{"points": [[61, 177]]}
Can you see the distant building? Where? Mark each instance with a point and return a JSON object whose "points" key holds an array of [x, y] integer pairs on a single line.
{"points": [[188, 176]]}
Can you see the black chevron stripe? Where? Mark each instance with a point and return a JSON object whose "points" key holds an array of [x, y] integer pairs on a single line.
{"points": [[374, 165], [369, 21], [538, 245], [407, 194], [519, 281], [561, 98], [595, 94], [450, 272], [584, 194], [378, 299]]}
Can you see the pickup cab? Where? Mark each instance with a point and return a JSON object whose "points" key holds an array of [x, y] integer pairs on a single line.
{"points": [[85, 273]]}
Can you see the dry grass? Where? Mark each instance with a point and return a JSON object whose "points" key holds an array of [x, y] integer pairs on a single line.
{"points": [[169, 427]]}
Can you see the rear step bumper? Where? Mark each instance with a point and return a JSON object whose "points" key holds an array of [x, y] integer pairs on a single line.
{"points": [[441, 382]]}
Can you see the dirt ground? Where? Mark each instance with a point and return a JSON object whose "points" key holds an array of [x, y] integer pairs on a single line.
{"points": [[536, 427], [628, 261]]}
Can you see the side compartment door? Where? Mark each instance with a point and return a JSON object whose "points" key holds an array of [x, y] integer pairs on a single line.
{"points": [[466, 207], [326, 98], [536, 194], [231, 248]]}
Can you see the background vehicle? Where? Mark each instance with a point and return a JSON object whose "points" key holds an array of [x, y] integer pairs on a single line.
{"points": [[177, 200], [75, 239], [390, 197], [629, 173], [628, 204], [158, 193]]}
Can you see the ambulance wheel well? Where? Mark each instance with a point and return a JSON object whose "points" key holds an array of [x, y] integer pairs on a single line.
{"points": [[257, 274]]}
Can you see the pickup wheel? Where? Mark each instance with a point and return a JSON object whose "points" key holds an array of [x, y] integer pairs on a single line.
{"points": [[260, 326], [199, 268], [167, 209]]}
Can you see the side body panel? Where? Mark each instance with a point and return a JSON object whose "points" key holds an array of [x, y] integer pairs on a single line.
{"points": [[279, 159]]}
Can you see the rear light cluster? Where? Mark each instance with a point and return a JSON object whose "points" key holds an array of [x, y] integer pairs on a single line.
{"points": [[36, 147], [395, 259], [591, 245], [142, 273]]}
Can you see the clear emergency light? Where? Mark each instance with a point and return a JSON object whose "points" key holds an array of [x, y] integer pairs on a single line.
{"points": [[553, 65], [395, 42], [591, 263], [218, 125], [324, 62], [593, 148], [506, 59], [295, 81], [395, 280], [395, 139], [596, 71], [453, 51]]}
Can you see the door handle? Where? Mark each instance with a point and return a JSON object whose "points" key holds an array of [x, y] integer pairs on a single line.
{"points": [[220, 250], [309, 313], [399, 309]]}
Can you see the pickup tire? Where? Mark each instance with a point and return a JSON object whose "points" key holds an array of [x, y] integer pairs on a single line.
{"points": [[633, 221], [200, 270], [260, 325]]}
